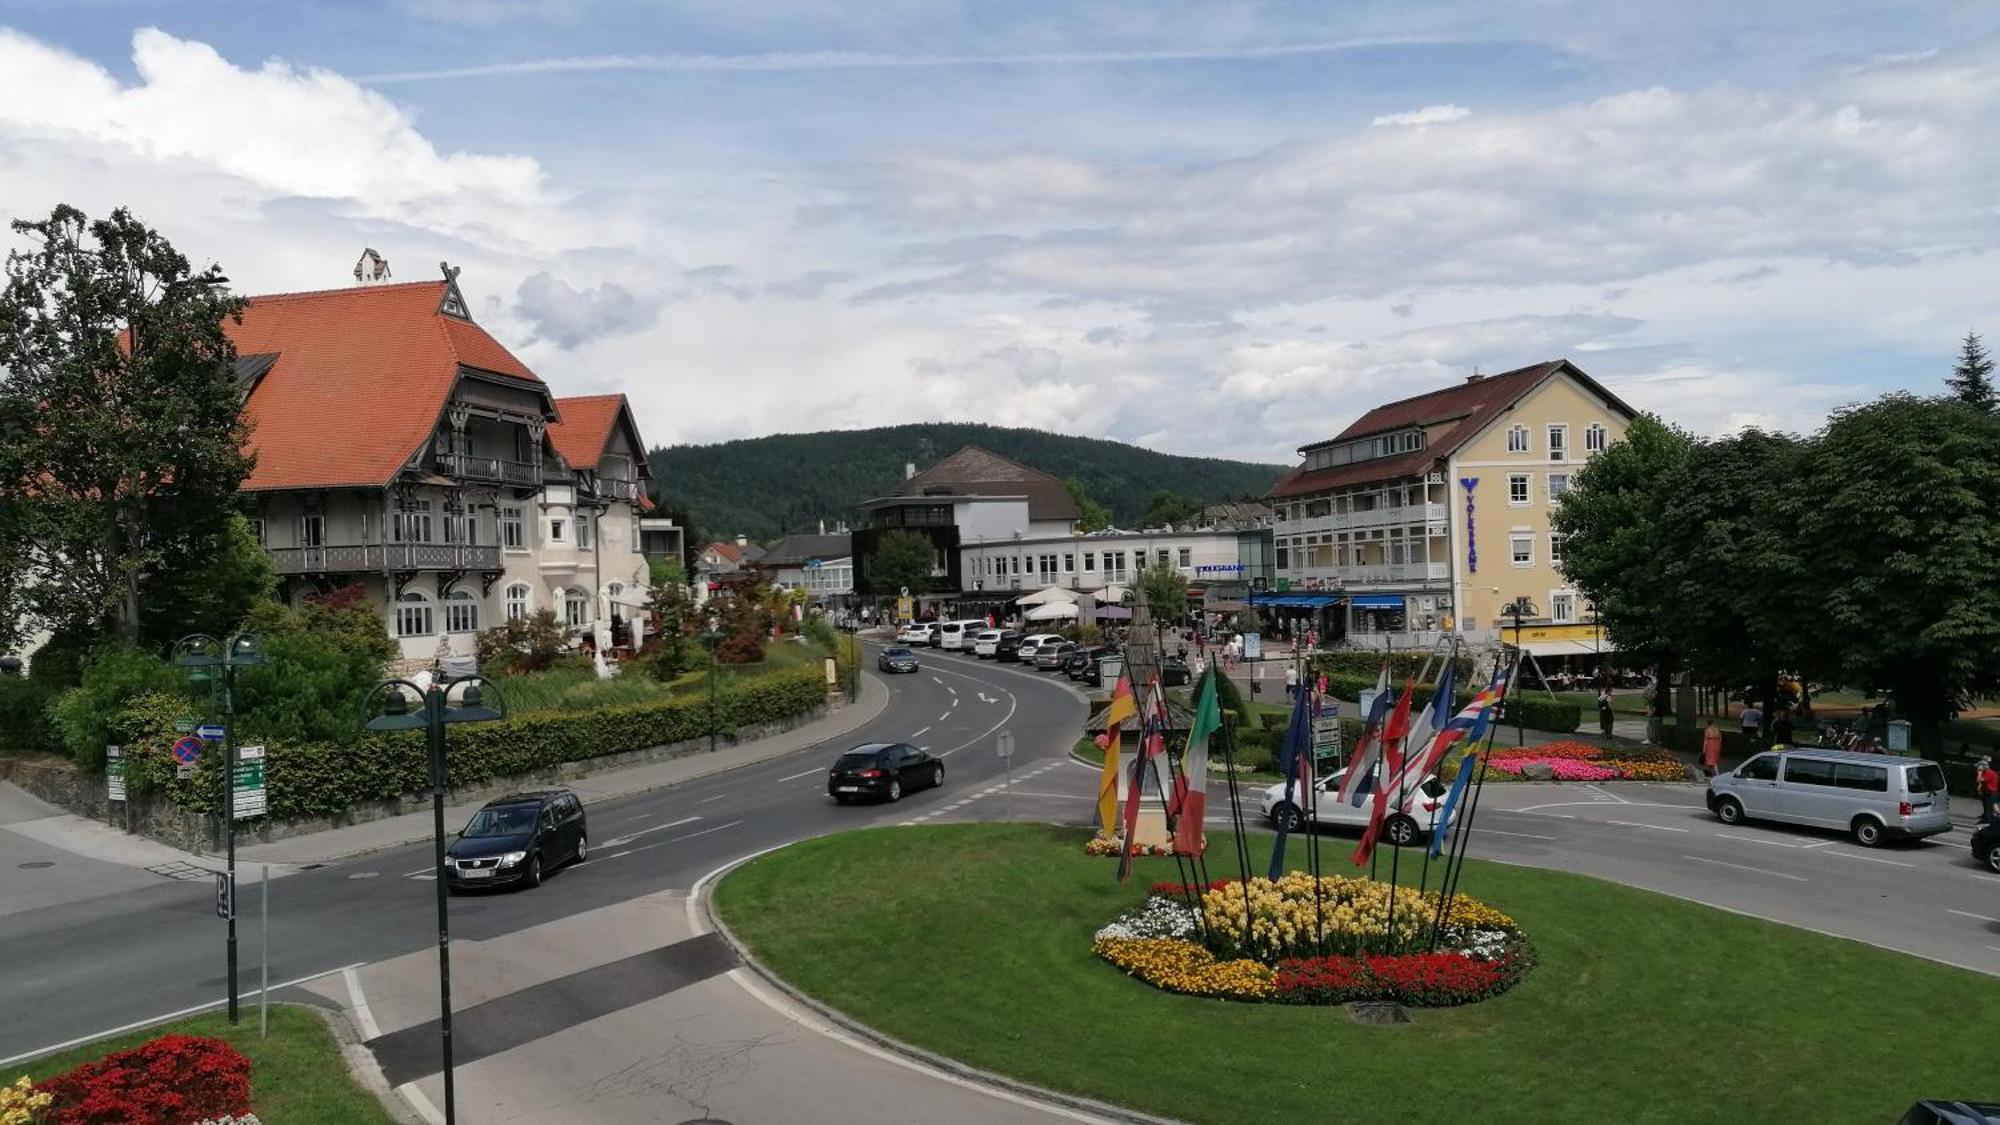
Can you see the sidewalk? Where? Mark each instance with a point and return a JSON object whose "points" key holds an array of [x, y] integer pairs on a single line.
{"points": [[395, 831]]}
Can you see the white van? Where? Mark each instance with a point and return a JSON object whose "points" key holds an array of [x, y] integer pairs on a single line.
{"points": [[1872, 796], [956, 636]]}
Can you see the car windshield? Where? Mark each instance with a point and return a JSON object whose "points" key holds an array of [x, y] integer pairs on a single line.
{"points": [[855, 758], [897, 652], [510, 820], [1927, 778]]}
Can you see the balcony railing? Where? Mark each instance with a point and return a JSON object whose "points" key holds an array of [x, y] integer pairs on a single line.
{"points": [[1407, 514], [1376, 575], [611, 488], [469, 467], [363, 558]]}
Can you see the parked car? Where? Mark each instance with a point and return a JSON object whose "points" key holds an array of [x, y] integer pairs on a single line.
{"points": [[1174, 672], [1874, 797], [1031, 645], [896, 659], [1082, 664], [882, 769], [1052, 657], [917, 632], [1415, 817], [1986, 846], [1943, 1111], [518, 839], [956, 636], [1008, 648], [985, 643]]}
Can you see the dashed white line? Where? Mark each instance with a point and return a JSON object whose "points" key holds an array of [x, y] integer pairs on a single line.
{"points": [[1870, 859], [1637, 824], [1742, 867], [620, 841], [808, 773], [1498, 832], [717, 797], [919, 732], [1754, 840], [943, 717], [1970, 914], [675, 840]]}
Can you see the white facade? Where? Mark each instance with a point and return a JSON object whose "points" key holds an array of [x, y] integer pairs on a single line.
{"points": [[1089, 562]]}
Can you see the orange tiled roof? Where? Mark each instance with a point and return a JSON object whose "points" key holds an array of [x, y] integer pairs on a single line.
{"points": [[361, 376], [585, 427]]}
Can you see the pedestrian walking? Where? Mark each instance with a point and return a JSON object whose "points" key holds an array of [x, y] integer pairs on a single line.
{"points": [[1711, 749], [1989, 789], [1291, 681], [1604, 717], [1753, 725]]}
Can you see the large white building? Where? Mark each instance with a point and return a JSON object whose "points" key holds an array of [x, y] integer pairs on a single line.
{"points": [[1112, 557], [401, 448]]}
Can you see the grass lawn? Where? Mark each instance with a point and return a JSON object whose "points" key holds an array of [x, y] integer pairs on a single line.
{"points": [[297, 1076], [1644, 1008], [1089, 752]]}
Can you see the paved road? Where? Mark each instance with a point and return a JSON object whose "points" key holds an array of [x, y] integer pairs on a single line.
{"points": [[157, 948]]}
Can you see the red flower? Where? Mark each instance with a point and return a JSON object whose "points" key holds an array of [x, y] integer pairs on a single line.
{"points": [[173, 1078]]}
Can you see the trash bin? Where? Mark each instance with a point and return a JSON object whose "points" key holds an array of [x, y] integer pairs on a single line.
{"points": [[1899, 736]]}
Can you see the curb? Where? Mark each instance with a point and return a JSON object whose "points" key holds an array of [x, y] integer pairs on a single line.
{"points": [[361, 1061], [963, 1071]]}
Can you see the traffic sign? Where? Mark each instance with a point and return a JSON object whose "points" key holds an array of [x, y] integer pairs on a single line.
{"points": [[1005, 743], [247, 783], [209, 732], [184, 726], [114, 773], [225, 897], [187, 750]]}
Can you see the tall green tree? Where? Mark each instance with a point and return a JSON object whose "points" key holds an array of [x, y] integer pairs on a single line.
{"points": [[124, 434], [1971, 380], [1095, 516], [1903, 529], [1170, 509], [207, 582], [901, 559], [673, 607], [1165, 592]]}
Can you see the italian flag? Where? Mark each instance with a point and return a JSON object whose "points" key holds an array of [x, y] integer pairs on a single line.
{"points": [[1191, 795]]}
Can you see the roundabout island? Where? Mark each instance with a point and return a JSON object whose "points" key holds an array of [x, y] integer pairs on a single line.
{"points": [[1005, 948]]}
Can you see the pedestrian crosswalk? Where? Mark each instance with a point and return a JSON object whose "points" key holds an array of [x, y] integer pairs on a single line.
{"points": [[1020, 779]]}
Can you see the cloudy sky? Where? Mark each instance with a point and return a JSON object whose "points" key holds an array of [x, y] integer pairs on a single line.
{"points": [[1201, 227]]}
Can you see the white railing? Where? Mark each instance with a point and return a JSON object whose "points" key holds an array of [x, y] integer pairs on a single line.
{"points": [[1411, 515]]}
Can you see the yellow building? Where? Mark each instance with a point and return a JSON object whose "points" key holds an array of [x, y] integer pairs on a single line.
{"points": [[1431, 514]]}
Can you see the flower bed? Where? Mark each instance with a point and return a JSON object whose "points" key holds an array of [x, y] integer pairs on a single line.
{"points": [[1580, 761], [172, 1078], [1289, 946]]}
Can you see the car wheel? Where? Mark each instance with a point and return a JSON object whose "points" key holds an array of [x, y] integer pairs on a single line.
{"points": [[1993, 860], [1728, 810], [895, 790], [1867, 833], [535, 870], [1400, 831], [1285, 816], [937, 776], [582, 847]]}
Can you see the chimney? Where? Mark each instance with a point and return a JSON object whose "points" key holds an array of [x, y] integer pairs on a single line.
{"points": [[743, 541], [909, 469], [1474, 377]]}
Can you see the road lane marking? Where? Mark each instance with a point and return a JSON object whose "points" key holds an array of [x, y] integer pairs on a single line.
{"points": [[717, 797], [919, 732], [1741, 867], [1523, 835], [808, 773], [937, 681], [1871, 859], [364, 1016], [1821, 844], [621, 841], [675, 840], [985, 698], [1607, 794], [1969, 914], [943, 717], [164, 1017], [1654, 827], [1560, 805], [1754, 840]]}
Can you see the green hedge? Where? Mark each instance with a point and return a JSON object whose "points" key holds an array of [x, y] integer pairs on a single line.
{"points": [[1402, 665], [325, 779], [23, 725], [1537, 712]]}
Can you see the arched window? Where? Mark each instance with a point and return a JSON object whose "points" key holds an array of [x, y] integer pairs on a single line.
{"points": [[517, 598], [576, 608], [461, 612], [413, 615], [1595, 438], [615, 589]]}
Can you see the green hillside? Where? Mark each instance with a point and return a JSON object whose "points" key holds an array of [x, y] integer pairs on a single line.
{"points": [[768, 486]]}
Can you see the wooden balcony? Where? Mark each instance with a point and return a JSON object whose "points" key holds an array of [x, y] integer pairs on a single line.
{"points": [[382, 558], [611, 488], [468, 467]]}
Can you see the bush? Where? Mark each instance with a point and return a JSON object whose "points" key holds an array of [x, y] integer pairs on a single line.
{"points": [[23, 724], [1256, 747], [58, 664], [83, 717], [320, 662], [172, 1078], [1544, 714], [1402, 665], [529, 644]]}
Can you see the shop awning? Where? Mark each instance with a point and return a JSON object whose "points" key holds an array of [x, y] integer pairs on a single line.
{"points": [[1302, 601], [1378, 601]]}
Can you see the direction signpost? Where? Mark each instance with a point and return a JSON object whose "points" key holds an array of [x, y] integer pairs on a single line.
{"points": [[1326, 736], [114, 773], [225, 896], [249, 796]]}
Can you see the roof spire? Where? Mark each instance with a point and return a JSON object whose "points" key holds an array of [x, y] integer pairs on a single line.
{"points": [[371, 268], [452, 303]]}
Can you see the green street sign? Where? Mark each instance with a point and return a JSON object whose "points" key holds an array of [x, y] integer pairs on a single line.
{"points": [[185, 726], [247, 795]]}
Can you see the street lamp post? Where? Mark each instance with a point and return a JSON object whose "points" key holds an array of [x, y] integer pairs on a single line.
{"points": [[388, 709], [1520, 607], [197, 655], [710, 638]]}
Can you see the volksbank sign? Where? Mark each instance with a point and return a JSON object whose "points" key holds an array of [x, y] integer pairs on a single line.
{"points": [[1220, 568]]}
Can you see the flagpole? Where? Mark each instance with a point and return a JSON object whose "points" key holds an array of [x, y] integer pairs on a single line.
{"points": [[1312, 801], [1167, 809], [1479, 785], [1236, 817], [1424, 879]]}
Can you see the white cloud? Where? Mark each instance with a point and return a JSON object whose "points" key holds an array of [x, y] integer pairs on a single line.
{"points": [[1429, 115]]}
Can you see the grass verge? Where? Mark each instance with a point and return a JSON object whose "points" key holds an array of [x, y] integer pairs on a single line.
{"points": [[1644, 1008], [297, 1076]]}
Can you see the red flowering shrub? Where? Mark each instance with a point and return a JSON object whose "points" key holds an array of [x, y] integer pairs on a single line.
{"points": [[1422, 980], [1182, 890], [1575, 751], [169, 1081]]}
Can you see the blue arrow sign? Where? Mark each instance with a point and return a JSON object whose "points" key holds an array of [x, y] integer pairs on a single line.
{"points": [[209, 732]]}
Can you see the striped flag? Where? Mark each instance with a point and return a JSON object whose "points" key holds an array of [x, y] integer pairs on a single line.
{"points": [[1191, 798], [1393, 733], [1361, 771], [1468, 726], [1123, 708], [1294, 761], [1458, 786]]}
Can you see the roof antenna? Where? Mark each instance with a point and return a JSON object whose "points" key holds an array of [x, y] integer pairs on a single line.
{"points": [[371, 268]]}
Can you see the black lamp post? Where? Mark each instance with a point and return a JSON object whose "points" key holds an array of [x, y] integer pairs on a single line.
{"points": [[1520, 607], [388, 709], [207, 660], [710, 639]]}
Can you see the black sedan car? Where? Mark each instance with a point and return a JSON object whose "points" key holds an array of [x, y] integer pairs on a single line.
{"points": [[882, 769], [517, 839], [1986, 846], [1009, 646], [897, 659], [1082, 663]]}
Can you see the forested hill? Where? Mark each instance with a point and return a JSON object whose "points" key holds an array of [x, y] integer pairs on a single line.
{"points": [[768, 486]]}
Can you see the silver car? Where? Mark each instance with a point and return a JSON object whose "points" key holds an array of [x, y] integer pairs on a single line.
{"points": [[1873, 796]]}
